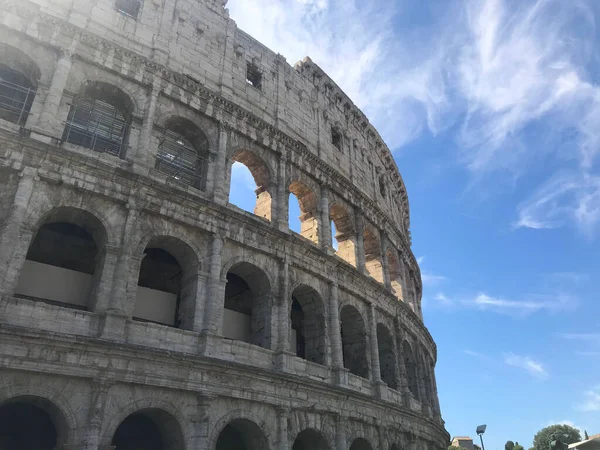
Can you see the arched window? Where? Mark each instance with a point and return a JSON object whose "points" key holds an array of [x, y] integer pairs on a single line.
{"points": [[410, 365], [149, 429], [307, 202], [310, 440], [242, 434], [99, 119], [247, 315], [308, 325], [167, 283], [130, 8], [354, 342], [18, 83], [345, 236], [387, 362], [183, 153], [260, 179], [373, 262], [361, 444], [395, 274], [64, 261]]}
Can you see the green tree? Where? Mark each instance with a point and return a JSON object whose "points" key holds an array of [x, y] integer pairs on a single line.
{"points": [[565, 433], [510, 445], [518, 446]]}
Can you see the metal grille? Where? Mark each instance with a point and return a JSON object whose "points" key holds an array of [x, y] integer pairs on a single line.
{"points": [[15, 101], [97, 125], [130, 8], [178, 158]]}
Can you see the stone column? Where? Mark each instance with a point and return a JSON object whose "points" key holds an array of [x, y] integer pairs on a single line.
{"points": [[283, 442], [200, 421], [49, 123], [341, 441], [375, 367], [337, 352], [13, 248], [219, 193], [280, 211], [283, 316], [403, 386], [326, 239], [213, 301], [95, 415], [360, 241], [119, 287], [385, 262], [436, 401], [143, 154], [397, 357], [200, 305]]}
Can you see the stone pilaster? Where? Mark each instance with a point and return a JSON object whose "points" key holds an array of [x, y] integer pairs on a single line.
{"points": [[283, 442], [143, 154], [385, 262], [337, 355], [214, 297], [13, 246], [283, 319], [341, 439], [325, 238], [97, 405], [360, 241], [200, 422], [403, 386], [280, 209], [219, 192]]}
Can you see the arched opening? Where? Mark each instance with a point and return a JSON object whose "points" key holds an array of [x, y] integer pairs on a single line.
{"points": [[27, 426], [183, 153], [387, 362], [64, 261], [308, 325], [307, 202], [247, 314], [373, 262], [149, 429], [354, 342], [100, 119], [167, 283], [310, 440], [361, 444], [395, 447], [260, 175], [395, 274], [344, 233], [410, 365], [242, 434], [18, 83]]}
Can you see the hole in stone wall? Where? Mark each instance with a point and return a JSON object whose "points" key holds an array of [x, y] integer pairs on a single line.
{"points": [[387, 363], [354, 342], [254, 76], [410, 365], [26, 427], [249, 173], [336, 139], [306, 211], [308, 325], [130, 8], [294, 214], [241, 434], [310, 440], [361, 444], [344, 233]]}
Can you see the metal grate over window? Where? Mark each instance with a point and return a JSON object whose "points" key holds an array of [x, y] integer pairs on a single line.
{"points": [[16, 96], [130, 8], [178, 158], [97, 125]]}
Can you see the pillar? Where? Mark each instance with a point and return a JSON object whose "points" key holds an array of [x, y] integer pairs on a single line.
{"points": [[385, 263], [219, 193], [49, 123], [143, 149], [360, 241], [214, 300], [403, 386], [397, 358], [341, 440], [436, 401], [13, 248], [95, 415], [200, 422], [121, 276], [375, 366], [283, 442], [337, 355], [283, 305], [326, 239], [280, 210]]}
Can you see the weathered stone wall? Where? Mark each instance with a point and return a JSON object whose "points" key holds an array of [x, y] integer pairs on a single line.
{"points": [[186, 63]]}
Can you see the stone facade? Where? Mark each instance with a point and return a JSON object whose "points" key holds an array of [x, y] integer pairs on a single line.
{"points": [[123, 265]]}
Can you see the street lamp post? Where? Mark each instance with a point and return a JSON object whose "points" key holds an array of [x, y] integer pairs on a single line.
{"points": [[480, 431]]}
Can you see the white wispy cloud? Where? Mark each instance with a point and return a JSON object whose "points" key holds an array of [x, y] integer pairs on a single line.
{"points": [[534, 368], [531, 304], [591, 401], [431, 278], [587, 337]]}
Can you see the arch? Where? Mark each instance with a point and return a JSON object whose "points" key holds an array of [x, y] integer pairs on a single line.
{"points": [[183, 152], [410, 365], [151, 429], [387, 361], [65, 259], [373, 262], [345, 236], [19, 76], [247, 303], [310, 439], [360, 444], [167, 283], [32, 423], [260, 174], [307, 200], [241, 434], [100, 118], [308, 324], [354, 341], [395, 274]]}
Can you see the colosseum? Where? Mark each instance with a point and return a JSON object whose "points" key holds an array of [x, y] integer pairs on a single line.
{"points": [[139, 308]]}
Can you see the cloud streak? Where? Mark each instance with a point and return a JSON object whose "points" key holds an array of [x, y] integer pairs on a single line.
{"points": [[532, 367], [530, 305]]}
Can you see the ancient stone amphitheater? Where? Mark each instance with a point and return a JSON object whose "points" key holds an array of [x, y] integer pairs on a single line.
{"points": [[139, 308]]}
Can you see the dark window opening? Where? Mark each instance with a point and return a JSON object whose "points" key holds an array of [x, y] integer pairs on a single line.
{"points": [[238, 296], [138, 431], [26, 427], [178, 158], [297, 318], [130, 8], [254, 76], [382, 186], [16, 95], [336, 138]]}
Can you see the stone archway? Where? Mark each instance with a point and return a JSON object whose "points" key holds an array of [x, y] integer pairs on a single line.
{"points": [[310, 440], [241, 434], [361, 444], [149, 429]]}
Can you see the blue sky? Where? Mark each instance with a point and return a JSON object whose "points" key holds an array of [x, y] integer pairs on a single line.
{"points": [[492, 110]]}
